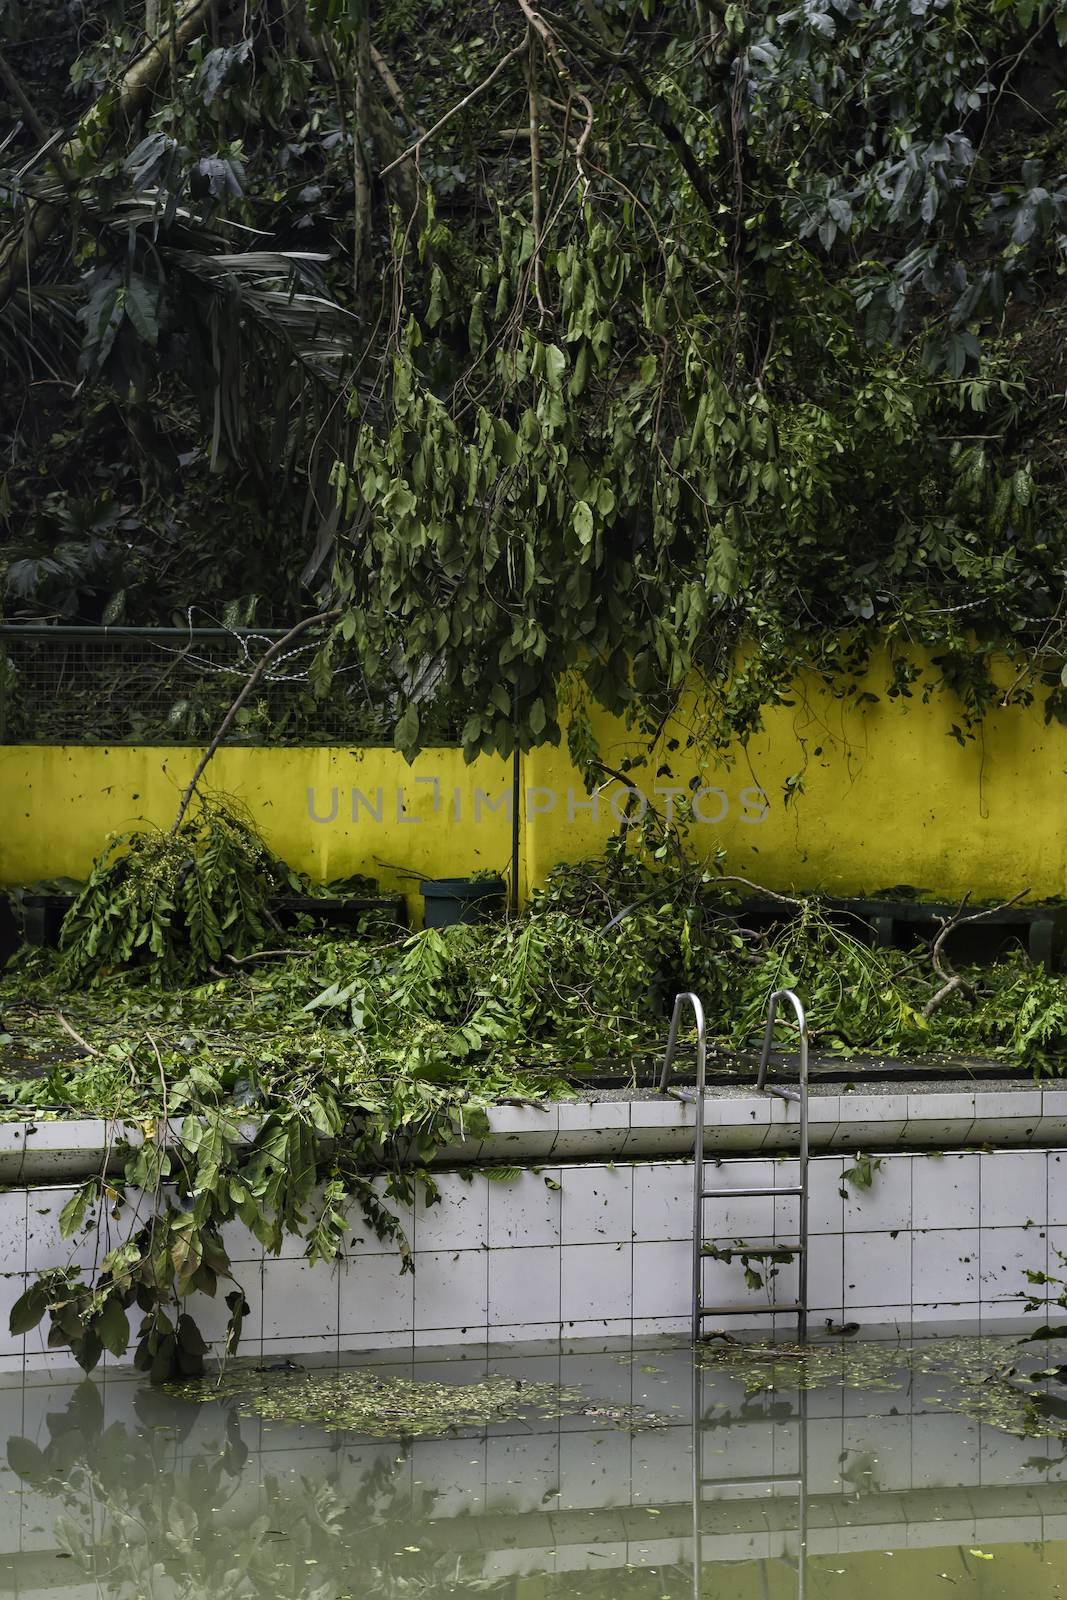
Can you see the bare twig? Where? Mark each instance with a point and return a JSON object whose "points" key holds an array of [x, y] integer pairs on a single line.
{"points": [[413, 149], [161, 1135], [224, 727], [262, 955], [548, 38], [656, 107], [396, 94], [758, 888], [76, 1036], [951, 981], [535, 180]]}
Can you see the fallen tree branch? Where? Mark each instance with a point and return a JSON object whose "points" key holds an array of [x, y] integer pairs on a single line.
{"points": [[224, 727], [950, 980], [262, 955], [413, 149], [654, 894], [537, 22], [36, 126], [76, 1036], [758, 888], [535, 183], [361, 190]]}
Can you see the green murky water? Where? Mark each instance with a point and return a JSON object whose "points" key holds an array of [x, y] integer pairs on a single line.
{"points": [[543, 1476]]}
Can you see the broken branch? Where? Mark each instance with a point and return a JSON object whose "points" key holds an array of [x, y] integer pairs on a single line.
{"points": [[413, 149], [224, 727], [950, 980]]}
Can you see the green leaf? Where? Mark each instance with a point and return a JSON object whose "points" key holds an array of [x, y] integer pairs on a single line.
{"points": [[113, 1327], [28, 1309], [555, 367], [189, 1336], [73, 1213], [406, 733], [438, 294], [27, 1461], [582, 522], [239, 1310], [141, 304]]}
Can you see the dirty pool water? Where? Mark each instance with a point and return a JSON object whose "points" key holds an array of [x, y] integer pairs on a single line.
{"points": [[556, 1474]]}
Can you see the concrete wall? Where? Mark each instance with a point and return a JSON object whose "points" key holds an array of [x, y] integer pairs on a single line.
{"points": [[327, 811], [888, 797]]}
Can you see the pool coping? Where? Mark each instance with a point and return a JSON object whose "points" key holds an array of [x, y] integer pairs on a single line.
{"points": [[598, 1126]]}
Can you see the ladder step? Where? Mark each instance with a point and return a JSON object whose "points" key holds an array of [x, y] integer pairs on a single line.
{"points": [[787, 1307], [724, 1194], [756, 1251], [689, 1096], [750, 1483]]}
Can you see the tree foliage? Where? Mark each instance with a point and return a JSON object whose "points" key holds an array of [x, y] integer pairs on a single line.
{"points": [[573, 351]]}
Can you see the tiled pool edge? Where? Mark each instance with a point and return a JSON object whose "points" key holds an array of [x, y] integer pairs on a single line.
{"points": [[599, 1250], [955, 1116]]}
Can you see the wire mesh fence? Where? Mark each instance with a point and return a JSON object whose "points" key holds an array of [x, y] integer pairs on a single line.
{"points": [[62, 685]]}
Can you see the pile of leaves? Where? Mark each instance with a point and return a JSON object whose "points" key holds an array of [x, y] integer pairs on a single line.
{"points": [[360, 1400], [174, 904]]}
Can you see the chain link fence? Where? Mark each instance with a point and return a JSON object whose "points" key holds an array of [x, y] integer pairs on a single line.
{"points": [[63, 685]]}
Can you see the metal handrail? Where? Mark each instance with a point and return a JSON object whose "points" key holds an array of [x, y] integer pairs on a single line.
{"points": [[768, 1038], [698, 1134], [800, 1097]]}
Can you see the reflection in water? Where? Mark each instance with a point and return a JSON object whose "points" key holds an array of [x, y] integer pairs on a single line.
{"points": [[112, 1489]]}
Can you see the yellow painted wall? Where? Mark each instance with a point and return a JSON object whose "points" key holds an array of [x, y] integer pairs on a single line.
{"points": [[889, 798], [328, 811]]}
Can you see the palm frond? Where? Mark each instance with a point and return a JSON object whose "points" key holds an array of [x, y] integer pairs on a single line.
{"points": [[269, 354], [39, 332]]}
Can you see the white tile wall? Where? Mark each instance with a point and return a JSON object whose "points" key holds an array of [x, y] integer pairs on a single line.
{"points": [[945, 1261], [602, 1249], [458, 1219], [524, 1285], [597, 1205], [299, 1301], [596, 1282], [525, 1210], [452, 1290]]}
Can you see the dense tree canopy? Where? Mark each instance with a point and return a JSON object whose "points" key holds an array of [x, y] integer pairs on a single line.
{"points": [[564, 351]]}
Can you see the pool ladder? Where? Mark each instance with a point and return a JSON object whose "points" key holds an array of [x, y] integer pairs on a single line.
{"points": [[701, 1192]]}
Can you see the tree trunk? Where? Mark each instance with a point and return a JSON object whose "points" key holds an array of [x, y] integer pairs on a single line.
{"points": [[20, 251]]}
